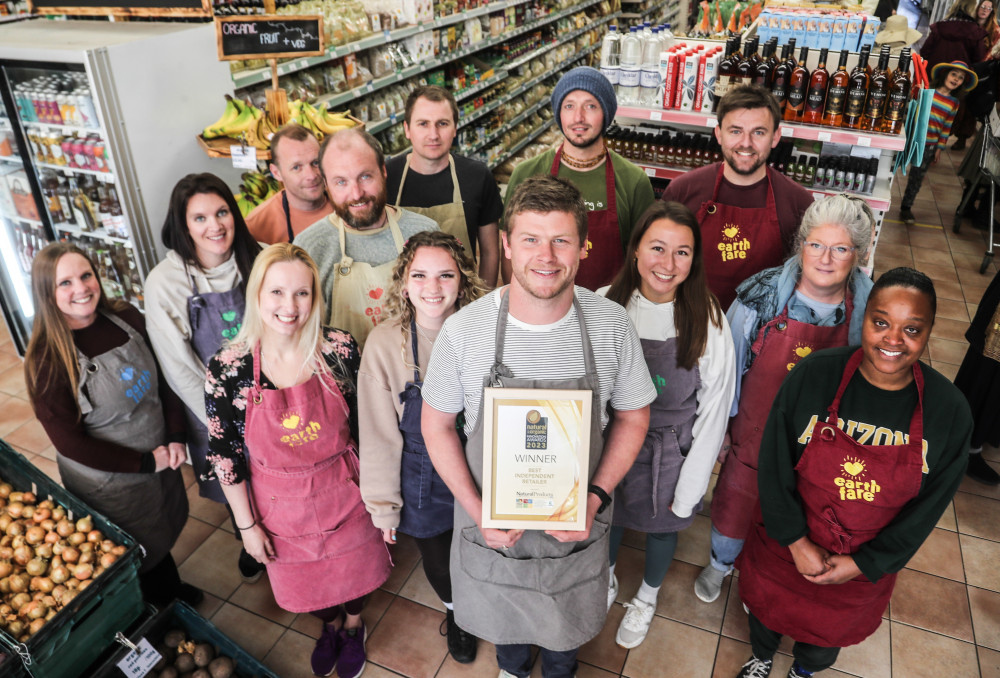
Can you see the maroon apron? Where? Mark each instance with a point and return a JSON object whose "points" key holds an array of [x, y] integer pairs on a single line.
{"points": [[738, 241], [780, 344], [304, 487], [849, 493], [605, 251]]}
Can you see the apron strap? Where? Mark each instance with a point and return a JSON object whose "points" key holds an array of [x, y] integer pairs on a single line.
{"points": [[344, 267], [194, 285], [413, 344], [456, 195], [780, 321], [609, 183], [256, 389], [402, 181], [85, 362], [288, 214], [397, 235], [554, 171]]}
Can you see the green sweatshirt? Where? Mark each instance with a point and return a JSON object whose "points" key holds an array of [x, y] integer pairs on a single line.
{"points": [[865, 411]]}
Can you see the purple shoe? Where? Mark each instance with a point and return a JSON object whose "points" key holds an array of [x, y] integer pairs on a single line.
{"points": [[328, 649], [352, 652]]}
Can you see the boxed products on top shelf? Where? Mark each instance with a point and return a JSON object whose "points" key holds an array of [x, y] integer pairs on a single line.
{"points": [[817, 27]]}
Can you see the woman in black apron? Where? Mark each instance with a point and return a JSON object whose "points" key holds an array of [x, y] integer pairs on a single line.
{"points": [[118, 430], [194, 303], [433, 277]]}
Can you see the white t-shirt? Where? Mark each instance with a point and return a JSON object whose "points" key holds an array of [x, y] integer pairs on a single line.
{"points": [[464, 350]]}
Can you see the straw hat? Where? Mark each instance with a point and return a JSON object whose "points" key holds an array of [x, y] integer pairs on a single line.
{"points": [[897, 30], [971, 79]]}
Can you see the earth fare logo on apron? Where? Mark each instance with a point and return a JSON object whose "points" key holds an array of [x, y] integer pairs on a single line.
{"points": [[300, 432], [136, 385], [233, 323], [374, 308], [733, 244], [798, 353]]}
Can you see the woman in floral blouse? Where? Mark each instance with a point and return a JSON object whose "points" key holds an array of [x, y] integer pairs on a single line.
{"points": [[281, 401]]}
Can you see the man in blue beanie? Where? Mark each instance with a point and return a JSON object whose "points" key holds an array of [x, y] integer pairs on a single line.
{"points": [[615, 191]]}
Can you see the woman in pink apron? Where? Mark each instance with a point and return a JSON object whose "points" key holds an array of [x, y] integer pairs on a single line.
{"points": [[816, 300], [194, 304], [281, 406], [863, 450], [433, 277], [689, 352], [117, 427]]}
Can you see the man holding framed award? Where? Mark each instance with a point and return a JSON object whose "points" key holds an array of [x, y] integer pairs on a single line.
{"points": [[533, 366]]}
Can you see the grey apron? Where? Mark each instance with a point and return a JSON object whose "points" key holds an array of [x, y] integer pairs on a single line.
{"points": [[643, 498], [123, 406], [540, 591], [215, 317]]}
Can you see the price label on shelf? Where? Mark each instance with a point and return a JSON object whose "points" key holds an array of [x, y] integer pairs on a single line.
{"points": [[824, 136], [711, 122], [817, 196], [650, 171], [244, 157], [864, 141], [140, 661], [655, 115], [787, 131]]}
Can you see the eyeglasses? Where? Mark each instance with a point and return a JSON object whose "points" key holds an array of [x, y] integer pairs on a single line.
{"points": [[839, 252]]}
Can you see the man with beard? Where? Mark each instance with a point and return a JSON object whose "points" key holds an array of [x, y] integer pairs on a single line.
{"points": [[615, 193], [302, 202], [748, 212], [356, 247], [515, 587]]}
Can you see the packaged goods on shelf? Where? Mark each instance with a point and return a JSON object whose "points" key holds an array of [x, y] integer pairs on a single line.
{"points": [[819, 28]]}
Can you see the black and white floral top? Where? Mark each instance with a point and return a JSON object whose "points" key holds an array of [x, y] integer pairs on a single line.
{"points": [[228, 382]]}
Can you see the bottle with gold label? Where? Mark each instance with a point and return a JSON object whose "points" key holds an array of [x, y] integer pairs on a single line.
{"points": [[899, 96], [878, 94], [836, 96]]}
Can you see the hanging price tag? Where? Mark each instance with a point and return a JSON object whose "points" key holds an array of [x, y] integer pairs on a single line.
{"points": [[244, 157], [139, 661]]}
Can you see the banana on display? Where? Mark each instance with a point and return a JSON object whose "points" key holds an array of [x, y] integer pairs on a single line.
{"points": [[241, 120]]}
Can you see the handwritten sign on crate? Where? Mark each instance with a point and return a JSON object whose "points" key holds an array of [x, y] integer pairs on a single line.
{"points": [[268, 36]]}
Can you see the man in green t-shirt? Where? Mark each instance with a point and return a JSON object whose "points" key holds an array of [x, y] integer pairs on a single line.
{"points": [[615, 193]]}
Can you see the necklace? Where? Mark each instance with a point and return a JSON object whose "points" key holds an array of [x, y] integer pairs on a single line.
{"points": [[585, 164]]}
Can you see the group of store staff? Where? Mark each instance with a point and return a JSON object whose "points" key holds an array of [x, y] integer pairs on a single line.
{"points": [[258, 370]]}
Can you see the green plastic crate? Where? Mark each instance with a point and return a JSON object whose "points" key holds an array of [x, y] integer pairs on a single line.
{"points": [[79, 632], [179, 615]]}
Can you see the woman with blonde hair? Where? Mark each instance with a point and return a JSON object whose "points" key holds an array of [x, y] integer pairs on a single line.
{"points": [[117, 427], [282, 421], [433, 277]]}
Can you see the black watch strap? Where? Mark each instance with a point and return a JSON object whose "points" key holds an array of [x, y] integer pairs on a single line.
{"points": [[602, 495]]}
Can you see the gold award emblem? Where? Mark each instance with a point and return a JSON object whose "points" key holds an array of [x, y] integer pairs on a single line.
{"points": [[533, 416]]}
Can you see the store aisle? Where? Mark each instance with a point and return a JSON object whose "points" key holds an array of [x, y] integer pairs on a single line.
{"points": [[944, 619]]}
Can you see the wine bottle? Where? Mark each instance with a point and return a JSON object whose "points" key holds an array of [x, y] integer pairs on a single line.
{"points": [[878, 94], [836, 96], [812, 110], [782, 76], [899, 96], [798, 84], [857, 92]]}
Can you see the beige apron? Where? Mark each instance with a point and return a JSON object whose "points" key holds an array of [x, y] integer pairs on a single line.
{"points": [[359, 288], [450, 217]]}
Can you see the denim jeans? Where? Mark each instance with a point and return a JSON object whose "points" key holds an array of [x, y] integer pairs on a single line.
{"points": [[516, 659], [724, 550]]}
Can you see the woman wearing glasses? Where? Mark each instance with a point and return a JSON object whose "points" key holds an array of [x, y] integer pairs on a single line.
{"points": [[815, 300]]}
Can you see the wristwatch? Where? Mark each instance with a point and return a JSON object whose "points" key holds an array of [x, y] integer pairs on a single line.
{"points": [[602, 495]]}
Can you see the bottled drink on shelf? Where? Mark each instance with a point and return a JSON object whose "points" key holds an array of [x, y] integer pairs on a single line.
{"points": [[798, 84], [667, 37], [727, 67], [83, 211], [836, 96], [764, 73], [812, 110], [649, 75], [878, 94], [857, 92], [609, 55], [782, 77], [630, 68], [745, 69], [110, 278], [118, 226], [899, 96], [62, 192]]}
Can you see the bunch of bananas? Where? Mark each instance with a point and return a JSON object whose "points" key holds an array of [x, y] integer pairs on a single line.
{"points": [[256, 188], [249, 122]]}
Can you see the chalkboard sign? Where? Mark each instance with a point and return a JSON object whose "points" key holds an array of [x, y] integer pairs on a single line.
{"points": [[152, 8], [268, 36]]}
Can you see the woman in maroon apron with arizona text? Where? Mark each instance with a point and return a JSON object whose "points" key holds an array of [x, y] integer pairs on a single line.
{"points": [[815, 300], [862, 452], [280, 400]]}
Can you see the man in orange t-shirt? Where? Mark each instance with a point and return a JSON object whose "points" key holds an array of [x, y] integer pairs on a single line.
{"points": [[303, 201]]}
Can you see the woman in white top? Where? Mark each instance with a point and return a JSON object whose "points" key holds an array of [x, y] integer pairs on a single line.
{"points": [[689, 352]]}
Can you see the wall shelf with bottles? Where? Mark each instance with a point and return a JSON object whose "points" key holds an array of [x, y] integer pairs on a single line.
{"points": [[63, 129], [99, 234], [104, 177]]}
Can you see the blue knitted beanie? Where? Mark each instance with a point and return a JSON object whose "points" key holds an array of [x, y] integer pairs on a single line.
{"points": [[593, 82]]}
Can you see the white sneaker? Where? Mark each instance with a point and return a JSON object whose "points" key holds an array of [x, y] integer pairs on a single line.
{"points": [[708, 585], [506, 674], [612, 591], [634, 627]]}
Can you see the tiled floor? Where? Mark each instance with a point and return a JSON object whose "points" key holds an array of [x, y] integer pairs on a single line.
{"points": [[944, 619]]}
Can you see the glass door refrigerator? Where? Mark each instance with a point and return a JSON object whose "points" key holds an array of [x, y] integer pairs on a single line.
{"points": [[101, 121]]}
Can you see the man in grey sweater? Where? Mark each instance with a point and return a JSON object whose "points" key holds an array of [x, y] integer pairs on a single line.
{"points": [[356, 246]]}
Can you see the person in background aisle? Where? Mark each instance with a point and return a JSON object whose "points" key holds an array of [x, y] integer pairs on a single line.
{"points": [[117, 427], [862, 452], [433, 277], [458, 193], [194, 304], [815, 300], [748, 212], [950, 81], [986, 15], [615, 193], [282, 421], [514, 587], [689, 353], [959, 37], [979, 380], [302, 202], [356, 247]]}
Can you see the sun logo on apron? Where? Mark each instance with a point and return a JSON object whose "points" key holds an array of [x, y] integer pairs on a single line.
{"points": [[733, 245], [731, 231], [801, 351], [853, 467]]}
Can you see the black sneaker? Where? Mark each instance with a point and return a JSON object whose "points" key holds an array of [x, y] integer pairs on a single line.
{"points": [[756, 668], [250, 569], [906, 216], [797, 671], [981, 471], [461, 645]]}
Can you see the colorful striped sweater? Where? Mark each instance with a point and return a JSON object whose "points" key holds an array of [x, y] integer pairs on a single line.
{"points": [[942, 115]]}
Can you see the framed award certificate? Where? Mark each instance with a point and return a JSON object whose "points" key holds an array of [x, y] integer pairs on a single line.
{"points": [[536, 450]]}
